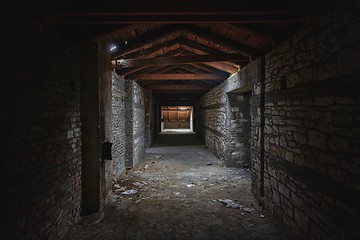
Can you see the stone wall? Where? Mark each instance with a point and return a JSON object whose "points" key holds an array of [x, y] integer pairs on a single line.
{"points": [[311, 131], [211, 117], [134, 123], [223, 118], [40, 122], [118, 122], [149, 118]]}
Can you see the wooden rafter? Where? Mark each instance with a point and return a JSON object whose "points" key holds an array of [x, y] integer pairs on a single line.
{"points": [[127, 63], [173, 31], [179, 87], [127, 71], [178, 70], [176, 76], [147, 39], [153, 49], [215, 38]]}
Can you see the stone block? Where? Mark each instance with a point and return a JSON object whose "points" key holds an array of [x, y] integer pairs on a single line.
{"points": [[316, 139], [324, 101], [339, 144], [327, 158]]}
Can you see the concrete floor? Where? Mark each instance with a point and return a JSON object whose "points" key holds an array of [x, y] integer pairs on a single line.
{"points": [[179, 191]]}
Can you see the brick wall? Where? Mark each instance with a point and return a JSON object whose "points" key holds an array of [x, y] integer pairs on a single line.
{"points": [[118, 108], [40, 120], [223, 118], [211, 116], [134, 123], [149, 118], [311, 131]]}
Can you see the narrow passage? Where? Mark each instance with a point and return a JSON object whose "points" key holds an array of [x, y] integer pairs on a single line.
{"points": [[180, 191]]}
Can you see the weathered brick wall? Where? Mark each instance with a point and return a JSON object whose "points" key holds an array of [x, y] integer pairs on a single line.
{"points": [[223, 118], [312, 109], [40, 122], [257, 125], [238, 130], [211, 117], [134, 123], [149, 118], [118, 122]]}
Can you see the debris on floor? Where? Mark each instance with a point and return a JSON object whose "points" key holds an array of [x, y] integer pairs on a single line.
{"points": [[229, 203], [130, 191], [121, 189], [139, 184], [234, 204], [179, 197]]}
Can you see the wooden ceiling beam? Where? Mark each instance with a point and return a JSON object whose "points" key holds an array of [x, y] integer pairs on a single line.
{"points": [[168, 31], [127, 71], [178, 70], [127, 63], [193, 68], [222, 41], [153, 49], [162, 69], [205, 68], [176, 76], [202, 49], [173, 31], [179, 87], [221, 66]]}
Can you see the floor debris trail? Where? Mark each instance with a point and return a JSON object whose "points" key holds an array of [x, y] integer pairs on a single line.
{"points": [[180, 192]]}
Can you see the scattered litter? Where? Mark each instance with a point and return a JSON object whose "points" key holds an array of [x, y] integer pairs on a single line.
{"points": [[130, 191], [117, 186], [230, 203], [205, 179], [248, 210], [177, 193], [158, 157], [137, 172], [234, 204], [153, 162], [120, 190], [262, 216], [140, 184], [209, 164], [146, 166], [190, 185]]}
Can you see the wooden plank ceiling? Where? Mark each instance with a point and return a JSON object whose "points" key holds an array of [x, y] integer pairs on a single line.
{"points": [[181, 49]]}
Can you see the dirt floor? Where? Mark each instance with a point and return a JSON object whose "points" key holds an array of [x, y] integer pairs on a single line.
{"points": [[180, 191]]}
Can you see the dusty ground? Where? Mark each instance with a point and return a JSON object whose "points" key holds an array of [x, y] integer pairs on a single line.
{"points": [[180, 192]]}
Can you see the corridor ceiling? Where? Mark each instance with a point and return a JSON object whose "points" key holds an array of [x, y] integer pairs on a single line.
{"points": [[178, 49]]}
